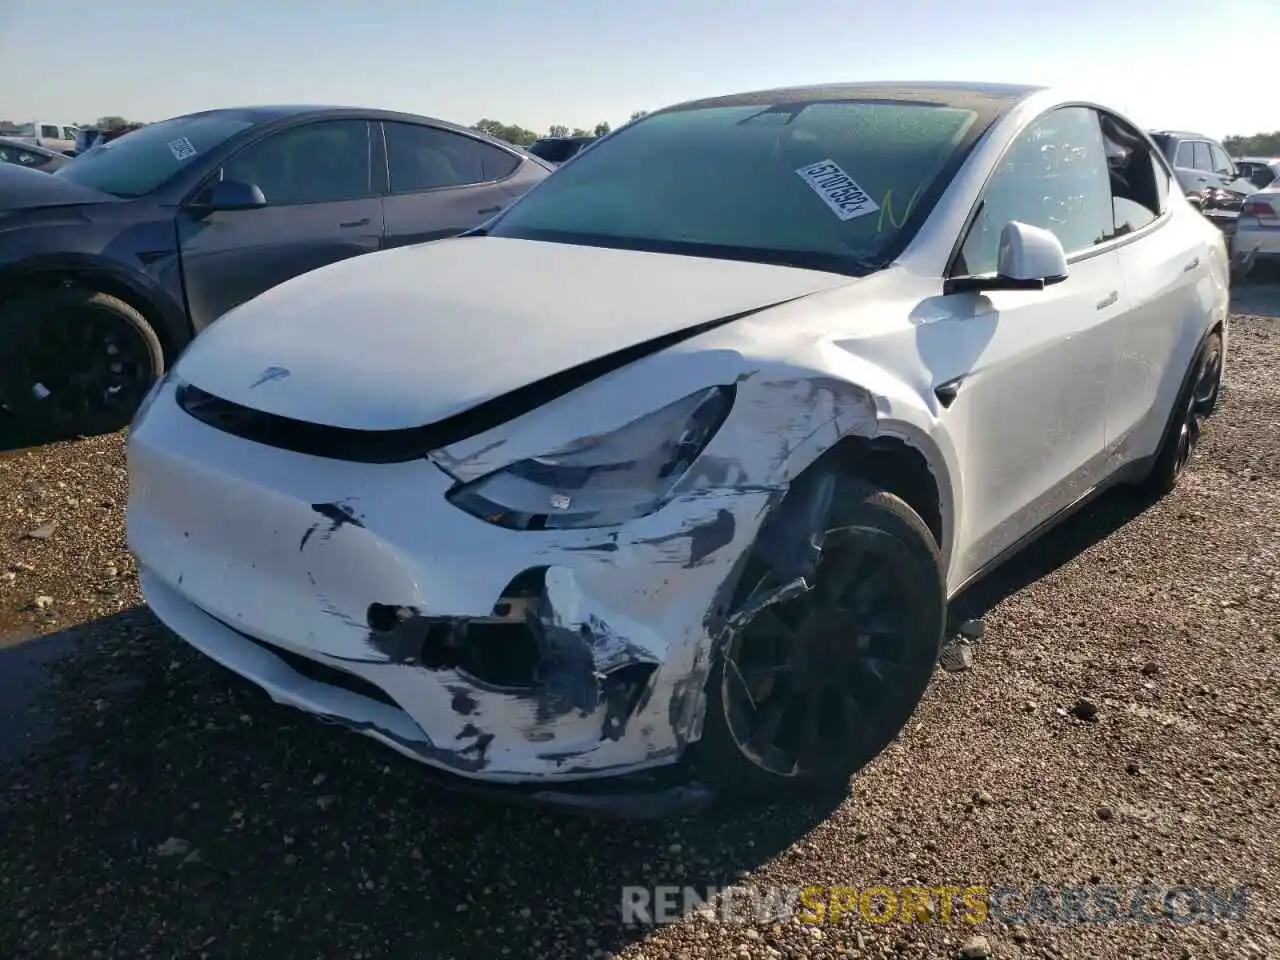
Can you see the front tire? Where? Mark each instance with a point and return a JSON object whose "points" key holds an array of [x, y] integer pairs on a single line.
{"points": [[811, 688], [80, 361]]}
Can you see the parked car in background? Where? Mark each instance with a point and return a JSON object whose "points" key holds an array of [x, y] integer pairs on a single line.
{"points": [[1257, 237], [112, 264], [86, 137], [1260, 171], [556, 150], [24, 154], [58, 137], [90, 137], [1206, 174], [697, 440]]}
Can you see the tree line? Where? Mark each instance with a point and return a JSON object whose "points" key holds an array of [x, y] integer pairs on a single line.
{"points": [[1258, 145], [519, 136], [111, 124]]}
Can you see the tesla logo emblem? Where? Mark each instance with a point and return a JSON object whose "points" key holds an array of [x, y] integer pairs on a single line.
{"points": [[269, 374]]}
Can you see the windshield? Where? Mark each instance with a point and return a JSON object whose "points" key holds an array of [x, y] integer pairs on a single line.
{"points": [[826, 184], [553, 151], [26, 130], [136, 164], [1165, 143]]}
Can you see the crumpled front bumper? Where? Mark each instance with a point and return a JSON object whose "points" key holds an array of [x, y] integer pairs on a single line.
{"points": [[356, 592]]}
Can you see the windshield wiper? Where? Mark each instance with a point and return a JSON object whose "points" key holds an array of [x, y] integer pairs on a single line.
{"points": [[792, 110]]}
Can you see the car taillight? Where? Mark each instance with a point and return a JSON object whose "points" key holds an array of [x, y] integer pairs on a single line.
{"points": [[1259, 209]]}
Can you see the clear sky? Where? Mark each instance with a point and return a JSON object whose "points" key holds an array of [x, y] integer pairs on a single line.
{"points": [[1171, 63]]}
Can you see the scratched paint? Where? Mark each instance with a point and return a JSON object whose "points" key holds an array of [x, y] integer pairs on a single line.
{"points": [[335, 515]]}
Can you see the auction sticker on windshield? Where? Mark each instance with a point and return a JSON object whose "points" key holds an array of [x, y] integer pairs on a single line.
{"points": [[837, 190], [182, 149]]}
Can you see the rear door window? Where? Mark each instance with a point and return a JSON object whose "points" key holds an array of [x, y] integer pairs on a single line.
{"points": [[1203, 159], [50, 132], [421, 157], [1139, 182], [1221, 162]]}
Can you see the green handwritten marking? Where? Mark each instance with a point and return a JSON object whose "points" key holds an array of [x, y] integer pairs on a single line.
{"points": [[887, 208]]}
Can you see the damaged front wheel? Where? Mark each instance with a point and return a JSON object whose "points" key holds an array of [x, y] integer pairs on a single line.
{"points": [[817, 676]]}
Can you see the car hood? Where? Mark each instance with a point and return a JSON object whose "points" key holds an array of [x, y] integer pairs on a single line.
{"points": [[22, 188], [408, 337]]}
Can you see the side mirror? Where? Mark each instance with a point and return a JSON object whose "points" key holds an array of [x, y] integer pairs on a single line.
{"points": [[1031, 254], [232, 195], [1029, 258]]}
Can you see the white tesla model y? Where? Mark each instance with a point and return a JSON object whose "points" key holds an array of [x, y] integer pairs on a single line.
{"points": [[679, 460]]}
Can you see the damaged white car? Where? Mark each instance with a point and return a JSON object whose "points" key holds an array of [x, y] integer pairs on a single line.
{"points": [[678, 461]]}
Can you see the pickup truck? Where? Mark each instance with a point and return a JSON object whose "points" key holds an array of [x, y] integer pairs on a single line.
{"points": [[58, 137]]}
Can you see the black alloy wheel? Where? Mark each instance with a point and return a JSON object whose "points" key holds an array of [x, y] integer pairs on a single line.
{"points": [[1197, 400], [817, 682], [82, 361]]}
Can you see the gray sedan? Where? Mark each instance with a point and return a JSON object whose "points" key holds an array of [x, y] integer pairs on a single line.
{"points": [[110, 266], [29, 155]]}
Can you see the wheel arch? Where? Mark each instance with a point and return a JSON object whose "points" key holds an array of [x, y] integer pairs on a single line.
{"points": [[166, 317], [901, 468], [900, 457]]}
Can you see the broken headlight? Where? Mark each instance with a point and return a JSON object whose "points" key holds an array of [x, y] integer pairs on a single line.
{"points": [[602, 480]]}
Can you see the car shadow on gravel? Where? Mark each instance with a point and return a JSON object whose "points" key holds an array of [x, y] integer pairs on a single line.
{"points": [[1258, 296], [1093, 523], [185, 799], [16, 435]]}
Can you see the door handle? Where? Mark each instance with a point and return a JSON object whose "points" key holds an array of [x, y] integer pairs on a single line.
{"points": [[1191, 266], [1110, 298], [354, 223], [489, 210]]}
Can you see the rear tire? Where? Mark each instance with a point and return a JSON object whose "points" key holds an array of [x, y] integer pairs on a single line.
{"points": [[81, 360], [1197, 400], [811, 688]]}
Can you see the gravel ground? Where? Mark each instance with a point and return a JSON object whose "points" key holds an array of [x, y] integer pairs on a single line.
{"points": [[153, 806]]}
